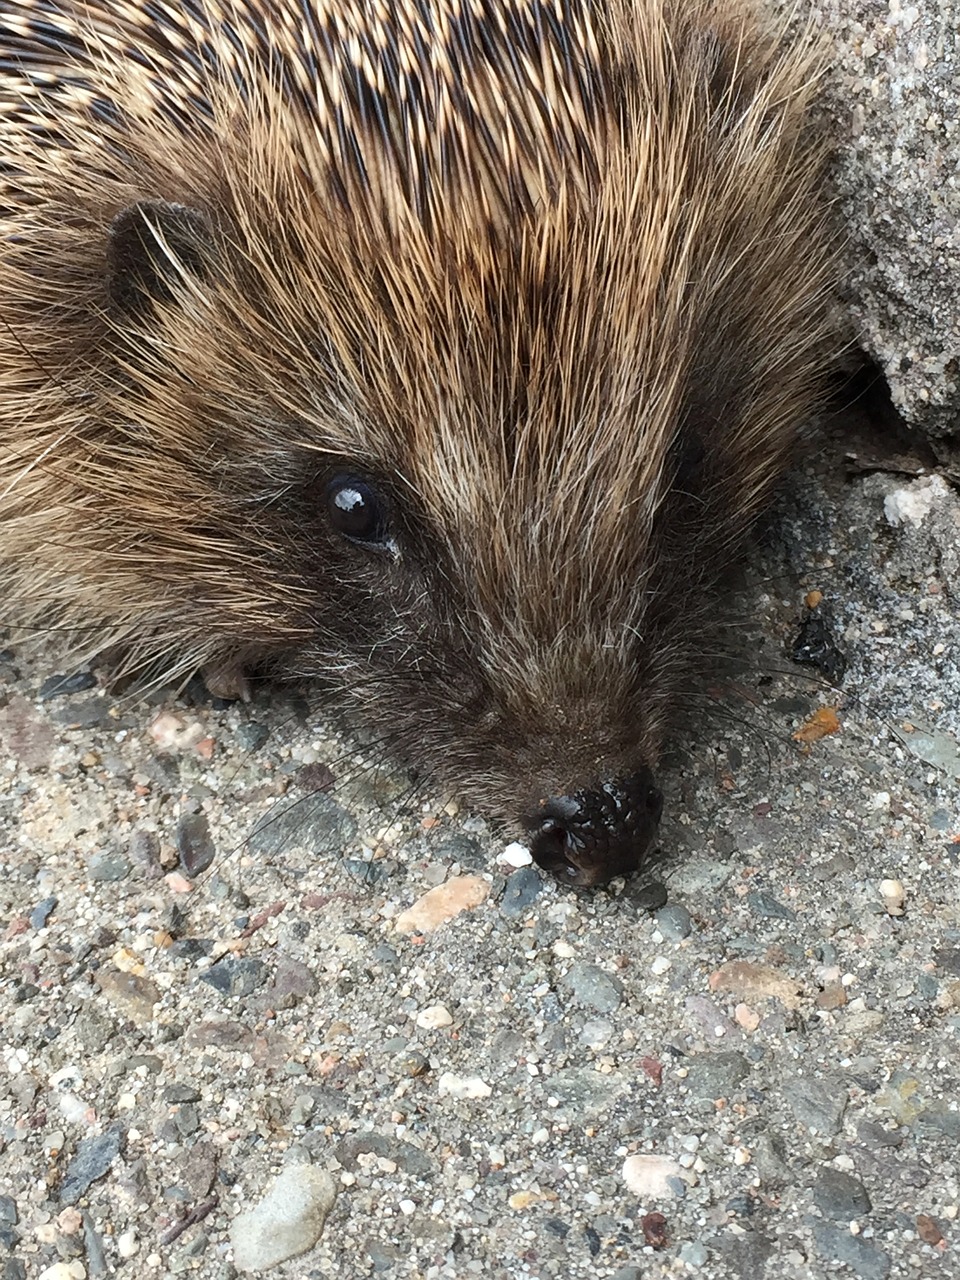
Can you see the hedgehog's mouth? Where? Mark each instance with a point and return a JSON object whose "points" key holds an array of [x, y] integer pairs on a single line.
{"points": [[587, 838]]}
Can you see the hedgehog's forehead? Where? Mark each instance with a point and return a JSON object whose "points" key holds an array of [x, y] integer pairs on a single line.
{"points": [[400, 111]]}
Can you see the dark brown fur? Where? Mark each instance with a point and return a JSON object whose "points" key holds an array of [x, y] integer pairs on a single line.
{"points": [[551, 276]]}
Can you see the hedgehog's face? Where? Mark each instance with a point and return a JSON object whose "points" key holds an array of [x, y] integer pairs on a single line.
{"points": [[546, 714], [490, 531]]}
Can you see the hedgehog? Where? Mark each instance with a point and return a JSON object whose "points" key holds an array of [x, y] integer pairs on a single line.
{"points": [[439, 352]]}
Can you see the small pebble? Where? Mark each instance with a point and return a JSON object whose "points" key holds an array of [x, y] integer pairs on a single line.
{"points": [[108, 867], [516, 855], [839, 1195], [766, 906], [674, 922], [818, 1104], [442, 903], [650, 896], [194, 843], [93, 1158], [252, 735], [864, 1257], [74, 1270], [463, 1086], [434, 1017], [694, 1254], [174, 733], [651, 1178], [236, 976], [521, 891], [894, 895], [127, 1244], [288, 1220], [594, 987], [58, 686], [42, 912]]}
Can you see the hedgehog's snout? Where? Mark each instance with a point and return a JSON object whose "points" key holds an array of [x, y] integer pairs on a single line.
{"points": [[588, 838]]}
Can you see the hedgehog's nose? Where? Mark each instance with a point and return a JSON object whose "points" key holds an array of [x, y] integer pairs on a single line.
{"points": [[592, 836]]}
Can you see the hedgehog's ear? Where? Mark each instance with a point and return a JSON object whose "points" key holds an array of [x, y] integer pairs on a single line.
{"points": [[153, 246]]}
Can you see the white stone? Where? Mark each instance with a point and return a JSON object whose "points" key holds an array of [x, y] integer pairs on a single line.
{"points": [[127, 1244], [288, 1220], [433, 1017], [463, 1086], [894, 895], [648, 1177], [516, 855], [64, 1271]]}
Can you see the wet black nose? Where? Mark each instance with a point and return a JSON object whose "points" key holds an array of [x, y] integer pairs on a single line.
{"points": [[591, 836]]}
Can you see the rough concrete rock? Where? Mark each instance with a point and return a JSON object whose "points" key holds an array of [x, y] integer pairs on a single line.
{"points": [[895, 98]]}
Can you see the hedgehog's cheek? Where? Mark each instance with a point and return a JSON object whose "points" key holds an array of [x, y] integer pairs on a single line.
{"points": [[587, 838]]}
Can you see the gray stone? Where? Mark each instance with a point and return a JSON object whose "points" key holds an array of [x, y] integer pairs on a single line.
{"points": [[195, 843], [107, 866], [628, 1273], [94, 1157], [236, 976], [872, 1134], [594, 987], [674, 922], [817, 1104], [384, 1257], [522, 889], [314, 823], [716, 1075], [649, 896], [97, 1265], [770, 1161], [252, 735], [57, 686], [41, 912], [941, 1118], [840, 1195], [766, 906], [693, 1253], [369, 871], [180, 1092], [466, 850], [746, 1255], [292, 982], [187, 1120], [304, 1105], [93, 1029], [144, 853], [404, 1154], [583, 1092], [863, 1257]]}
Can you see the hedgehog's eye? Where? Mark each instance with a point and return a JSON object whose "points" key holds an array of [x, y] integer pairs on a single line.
{"points": [[355, 511]]}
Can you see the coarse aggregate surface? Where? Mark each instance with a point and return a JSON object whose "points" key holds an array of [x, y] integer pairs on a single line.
{"points": [[893, 92]]}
